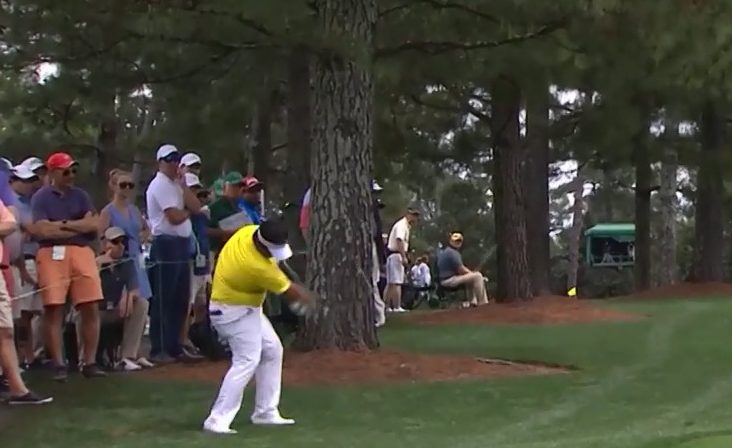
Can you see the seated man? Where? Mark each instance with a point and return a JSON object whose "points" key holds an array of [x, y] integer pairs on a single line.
{"points": [[121, 299], [453, 272]]}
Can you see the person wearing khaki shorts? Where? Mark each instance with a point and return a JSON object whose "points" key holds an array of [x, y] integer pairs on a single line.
{"points": [[66, 230]]}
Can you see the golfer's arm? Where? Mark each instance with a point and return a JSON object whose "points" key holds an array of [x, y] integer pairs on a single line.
{"points": [[297, 292]]}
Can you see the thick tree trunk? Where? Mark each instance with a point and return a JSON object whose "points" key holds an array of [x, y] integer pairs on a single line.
{"points": [[667, 267], [537, 190], [510, 207], [340, 255], [575, 232], [642, 212], [708, 250], [297, 179]]}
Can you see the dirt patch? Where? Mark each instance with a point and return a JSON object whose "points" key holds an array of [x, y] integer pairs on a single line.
{"points": [[541, 310], [376, 367], [685, 290]]}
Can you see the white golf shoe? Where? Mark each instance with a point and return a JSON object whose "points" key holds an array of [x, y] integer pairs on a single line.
{"points": [[271, 418]]}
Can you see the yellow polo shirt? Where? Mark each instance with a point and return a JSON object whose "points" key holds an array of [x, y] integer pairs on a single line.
{"points": [[243, 276]]}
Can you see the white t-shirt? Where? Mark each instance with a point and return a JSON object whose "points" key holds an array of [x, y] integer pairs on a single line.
{"points": [[421, 275], [399, 231], [164, 193]]}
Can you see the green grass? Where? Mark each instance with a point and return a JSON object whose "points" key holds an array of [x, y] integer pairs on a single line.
{"points": [[657, 383]]}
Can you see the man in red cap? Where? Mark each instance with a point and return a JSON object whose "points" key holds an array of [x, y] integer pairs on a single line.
{"points": [[251, 198], [66, 229]]}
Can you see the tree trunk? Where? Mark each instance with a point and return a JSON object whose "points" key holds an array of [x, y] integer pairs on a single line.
{"points": [[667, 267], [297, 179], [710, 197], [537, 190], [340, 255], [262, 154], [642, 211], [107, 147], [510, 206], [575, 232]]}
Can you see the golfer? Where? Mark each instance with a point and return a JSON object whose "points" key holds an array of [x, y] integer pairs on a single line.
{"points": [[245, 271]]}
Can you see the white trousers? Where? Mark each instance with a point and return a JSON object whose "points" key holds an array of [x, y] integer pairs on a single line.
{"points": [[379, 306], [256, 351]]}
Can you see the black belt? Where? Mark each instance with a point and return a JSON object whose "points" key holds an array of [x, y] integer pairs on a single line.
{"points": [[29, 257]]}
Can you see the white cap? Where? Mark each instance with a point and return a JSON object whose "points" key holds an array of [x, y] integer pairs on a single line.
{"points": [[23, 172], [113, 233], [166, 150], [192, 180], [33, 163], [279, 252], [7, 163], [190, 158], [375, 186]]}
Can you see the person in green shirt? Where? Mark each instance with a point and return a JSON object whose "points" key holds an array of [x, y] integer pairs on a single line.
{"points": [[222, 208]]}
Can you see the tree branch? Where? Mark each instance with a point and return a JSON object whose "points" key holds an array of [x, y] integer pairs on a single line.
{"points": [[434, 48]]}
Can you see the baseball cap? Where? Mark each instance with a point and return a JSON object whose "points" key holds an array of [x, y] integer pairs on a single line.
{"points": [[192, 180], [189, 159], [218, 187], [23, 172], [167, 152], [414, 209], [273, 235], [60, 161], [251, 183], [232, 178], [113, 233], [33, 163], [456, 237]]}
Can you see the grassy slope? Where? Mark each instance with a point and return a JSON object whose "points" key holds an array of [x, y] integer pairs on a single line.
{"points": [[655, 383]]}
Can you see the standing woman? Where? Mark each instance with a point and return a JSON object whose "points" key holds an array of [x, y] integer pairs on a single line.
{"points": [[122, 213]]}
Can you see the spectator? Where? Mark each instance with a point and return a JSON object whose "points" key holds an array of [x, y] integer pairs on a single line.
{"points": [[28, 305], [453, 272], [191, 163], [120, 212], [66, 227], [201, 264], [170, 204], [396, 262], [121, 297], [421, 276], [19, 393], [251, 198], [225, 207], [379, 253], [37, 166], [305, 215]]}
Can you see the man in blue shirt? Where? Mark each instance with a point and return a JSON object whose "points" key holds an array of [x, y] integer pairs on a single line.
{"points": [[251, 198], [201, 265]]}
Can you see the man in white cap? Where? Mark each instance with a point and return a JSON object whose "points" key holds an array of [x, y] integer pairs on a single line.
{"points": [[245, 272], [191, 163], [37, 166], [170, 204]]}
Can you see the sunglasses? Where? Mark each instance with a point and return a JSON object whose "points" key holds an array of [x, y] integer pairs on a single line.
{"points": [[69, 172], [170, 158], [126, 185], [203, 194], [195, 166], [119, 241], [32, 180]]}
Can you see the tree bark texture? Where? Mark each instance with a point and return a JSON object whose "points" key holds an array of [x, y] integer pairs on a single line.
{"points": [[708, 250], [340, 254], [262, 154], [668, 207], [537, 190], [514, 281], [297, 180], [642, 212], [575, 232]]}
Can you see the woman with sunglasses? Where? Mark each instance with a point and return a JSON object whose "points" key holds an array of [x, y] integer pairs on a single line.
{"points": [[120, 212]]}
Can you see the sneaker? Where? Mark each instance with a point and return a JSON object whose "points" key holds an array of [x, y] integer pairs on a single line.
{"points": [[128, 365], [29, 399], [191, 350], [162, 359], [60, 374], [273, 418], [213, 429], [400, 310], [144, 363], [189, 358], [93, 371]]}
